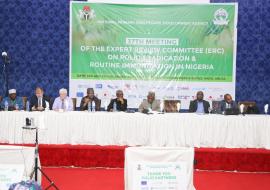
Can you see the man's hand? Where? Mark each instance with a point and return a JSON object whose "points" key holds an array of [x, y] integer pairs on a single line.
{"points": [[121, 100], [40, 108], [86, 100]]}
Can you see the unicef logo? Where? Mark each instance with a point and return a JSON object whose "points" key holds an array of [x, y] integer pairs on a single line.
{"points": [[221, 17]]}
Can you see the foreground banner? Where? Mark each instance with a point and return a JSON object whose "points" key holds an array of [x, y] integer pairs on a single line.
{"points": [[174, 50]]}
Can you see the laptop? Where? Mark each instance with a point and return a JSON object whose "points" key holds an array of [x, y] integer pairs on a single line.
{"points": [[231, 111]]}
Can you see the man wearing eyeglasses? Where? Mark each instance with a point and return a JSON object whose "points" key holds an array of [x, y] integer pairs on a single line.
{"points": [[121, 103]]}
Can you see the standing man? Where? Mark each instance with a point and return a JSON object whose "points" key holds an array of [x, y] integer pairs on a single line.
{"points": [[121, 103], [63, 102], [14, 102], [150, 103], [199, 105], [90, 98], [227, 103], [39, 102]]}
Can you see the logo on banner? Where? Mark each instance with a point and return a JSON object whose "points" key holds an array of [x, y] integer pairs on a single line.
{"points": [[99, 86], [87, 13], [221, 17]]}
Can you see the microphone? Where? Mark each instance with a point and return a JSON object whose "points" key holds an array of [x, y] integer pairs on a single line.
{"points": [[4, 54], [5, 57]]}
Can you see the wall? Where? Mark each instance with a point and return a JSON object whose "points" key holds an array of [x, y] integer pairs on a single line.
{"points": [[36, 35]]}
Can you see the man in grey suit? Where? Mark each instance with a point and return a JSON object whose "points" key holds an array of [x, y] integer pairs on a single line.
{"points": [[151, 104], [228, 103]]}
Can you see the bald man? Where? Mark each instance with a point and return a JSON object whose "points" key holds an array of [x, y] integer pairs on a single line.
{"points": [[121, 103], [199, 105]]}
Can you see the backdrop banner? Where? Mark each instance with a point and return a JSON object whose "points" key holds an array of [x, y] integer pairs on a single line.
{"points": [[174, 50]]}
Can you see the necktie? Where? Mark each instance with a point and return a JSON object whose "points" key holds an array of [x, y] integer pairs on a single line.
{"points": [[63, 104], [39, 102]]}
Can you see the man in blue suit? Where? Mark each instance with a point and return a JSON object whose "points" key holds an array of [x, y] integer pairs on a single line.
{"points": [[228, 103]]}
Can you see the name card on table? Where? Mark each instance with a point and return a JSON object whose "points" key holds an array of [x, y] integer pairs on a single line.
{"points": [[159, 175], [9, 174]]}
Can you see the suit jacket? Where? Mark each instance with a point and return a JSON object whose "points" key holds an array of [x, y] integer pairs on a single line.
{"points": [[119, 106], [34, 102], [85, 107], [223, 105], [155, 106], [194, 104]]}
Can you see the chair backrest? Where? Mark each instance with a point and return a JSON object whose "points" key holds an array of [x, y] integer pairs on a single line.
{"points": [[24, 98], [74, 101], [247, 104], [216, 104], [1, 98], [171, 105]]}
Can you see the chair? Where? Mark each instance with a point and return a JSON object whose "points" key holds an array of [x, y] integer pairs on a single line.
{"points": [[1, 98], [24, 98], [216, 106], [170, 106], [51, 101], [250, 107], [74, 101]]}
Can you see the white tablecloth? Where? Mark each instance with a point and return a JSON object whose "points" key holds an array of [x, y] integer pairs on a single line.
{"points": [[171, 129]]}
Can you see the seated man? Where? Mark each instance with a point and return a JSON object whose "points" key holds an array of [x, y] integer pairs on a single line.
{"points": [[63, 102], [150, 104], [199, 105], [14, 102], [228, 103], [90, 98], [39, 102], [121, 103]]}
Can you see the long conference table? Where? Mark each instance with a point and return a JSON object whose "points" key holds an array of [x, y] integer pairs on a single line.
{"points": [[137, 129]]}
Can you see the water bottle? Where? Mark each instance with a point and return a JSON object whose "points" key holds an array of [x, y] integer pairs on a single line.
{"points": [[27, 106], [89, 106], [93, 106], [114, 107], [16, 106], [6, 105]]}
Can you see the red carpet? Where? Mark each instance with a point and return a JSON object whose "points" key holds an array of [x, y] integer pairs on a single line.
{"points": [[113, 179], [88, 156]]}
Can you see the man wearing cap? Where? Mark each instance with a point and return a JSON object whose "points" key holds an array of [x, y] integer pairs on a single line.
{"points": [[39, 102], [150, 104], [14, 102], [63, 102], [90, 98]]}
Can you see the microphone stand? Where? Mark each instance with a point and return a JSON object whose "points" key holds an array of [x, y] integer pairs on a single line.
{"points": [[5, 73], [37, 168]]}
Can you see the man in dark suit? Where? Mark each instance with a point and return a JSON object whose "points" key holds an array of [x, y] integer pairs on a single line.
{"points": [[90, 98], [39, 102], [121, 103], [199, 105], [228, 103]]}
